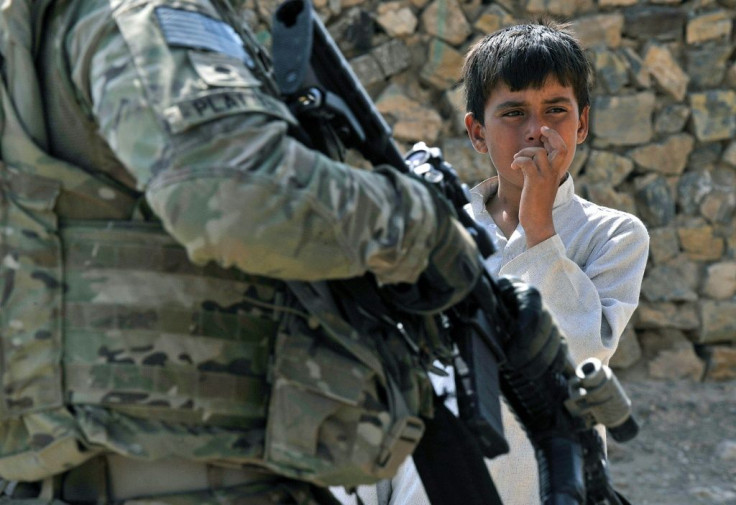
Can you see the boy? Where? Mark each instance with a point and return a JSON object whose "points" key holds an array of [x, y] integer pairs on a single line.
{"points": [[527, 96]]}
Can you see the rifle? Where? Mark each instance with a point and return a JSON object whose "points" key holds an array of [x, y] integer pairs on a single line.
{"points": [[557, 402]]}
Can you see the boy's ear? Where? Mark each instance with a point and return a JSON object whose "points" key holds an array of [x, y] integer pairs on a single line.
{"points": [[476, 132], [583, 124]]}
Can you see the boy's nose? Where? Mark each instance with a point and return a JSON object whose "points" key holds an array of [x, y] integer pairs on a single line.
{"points": [[534, 130]]}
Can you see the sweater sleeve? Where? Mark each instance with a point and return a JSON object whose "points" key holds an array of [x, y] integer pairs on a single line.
{"points": [[592, 302]]}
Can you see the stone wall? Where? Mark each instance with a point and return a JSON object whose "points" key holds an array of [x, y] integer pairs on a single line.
{"points": [[661, 141]]}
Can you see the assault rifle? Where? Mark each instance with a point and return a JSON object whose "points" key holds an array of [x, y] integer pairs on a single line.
{"points": [[501, 345]]}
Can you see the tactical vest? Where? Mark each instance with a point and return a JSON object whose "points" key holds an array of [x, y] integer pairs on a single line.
{"points": [[110, 340]]}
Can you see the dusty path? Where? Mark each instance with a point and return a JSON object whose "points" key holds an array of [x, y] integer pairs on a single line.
{"points": [[685, 453]]}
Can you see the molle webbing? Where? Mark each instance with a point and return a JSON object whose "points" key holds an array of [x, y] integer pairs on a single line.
{"points": [[150, 334]]}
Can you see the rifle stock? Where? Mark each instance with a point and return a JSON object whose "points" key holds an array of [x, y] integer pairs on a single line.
{"points": [[315, 77]]}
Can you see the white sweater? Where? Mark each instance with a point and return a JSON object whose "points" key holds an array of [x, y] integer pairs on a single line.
{"points": [[589, 275]]}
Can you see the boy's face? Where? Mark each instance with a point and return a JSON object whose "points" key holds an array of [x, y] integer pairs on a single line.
{"points": [[513, 122]]}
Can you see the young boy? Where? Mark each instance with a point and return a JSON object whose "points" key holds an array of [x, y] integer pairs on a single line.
{"points": [[527, 96]]}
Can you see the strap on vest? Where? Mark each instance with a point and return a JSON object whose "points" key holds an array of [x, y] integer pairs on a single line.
{"points": [[450, 462]]}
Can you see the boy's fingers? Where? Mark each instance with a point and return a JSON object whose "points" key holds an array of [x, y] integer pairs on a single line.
{"points": [[530, 152], [553, 142], [526, 162]]}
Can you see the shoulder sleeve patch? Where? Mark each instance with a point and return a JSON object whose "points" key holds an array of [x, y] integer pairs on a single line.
{"points": [[195, 30]]}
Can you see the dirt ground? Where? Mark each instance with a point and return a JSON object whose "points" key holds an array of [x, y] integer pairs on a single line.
{"points": [[685, 452]]}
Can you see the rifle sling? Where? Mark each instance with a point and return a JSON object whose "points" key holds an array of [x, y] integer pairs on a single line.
{"points": [[450, 463]]}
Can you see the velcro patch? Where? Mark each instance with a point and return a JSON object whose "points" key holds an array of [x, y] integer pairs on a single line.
{"points": [[206, 107], [195, 30]]}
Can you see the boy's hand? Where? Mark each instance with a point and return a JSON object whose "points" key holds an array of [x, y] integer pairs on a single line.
{"points": [[543, 168]]}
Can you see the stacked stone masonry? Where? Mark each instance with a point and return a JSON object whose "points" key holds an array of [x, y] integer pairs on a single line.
{"points": [[662, 141]]}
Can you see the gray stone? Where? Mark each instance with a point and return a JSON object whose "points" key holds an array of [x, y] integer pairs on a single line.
{"points": [[682, 316], [581, 157], [699, 242], [607, 167], [663, 244], [724, 179], [367, 70], [705, 156], [672, 281], [729, 232], [445, 20], [612, 70], [729, 155], [718, 321], [471, 166], [266, 8], [603, 194], [709, 26], [655, 22], [654, 200], [722, 366], [666, 71], [692, 188], [353, 31], [622, 120], [599, 29], [393, 57], [731, 75], [677, 364], [455, 98], [443, 66], [671, 119], [670, 355], [510, 5], [720, 280], [719, 205], [396, 19], [411, 121], [706, 65], [714, 114], [652, 342], [616, 3], [726, 450], [556, 7], [493, 18], [628, 351], [637, 70], [668, 157]]}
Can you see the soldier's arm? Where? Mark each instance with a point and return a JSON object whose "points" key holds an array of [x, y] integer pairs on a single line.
{"points": [[212, 154]]}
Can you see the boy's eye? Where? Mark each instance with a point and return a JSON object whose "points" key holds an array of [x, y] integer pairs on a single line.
{"points": [[512, 113], [557, 110]]}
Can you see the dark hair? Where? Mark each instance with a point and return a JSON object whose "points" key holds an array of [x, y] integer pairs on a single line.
{"points": [[524, 56]]}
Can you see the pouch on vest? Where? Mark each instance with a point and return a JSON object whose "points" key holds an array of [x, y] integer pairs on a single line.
{"points": [[335, 417]]}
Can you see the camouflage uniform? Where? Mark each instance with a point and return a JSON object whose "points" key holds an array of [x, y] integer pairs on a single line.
{"points": [[158, 130]]}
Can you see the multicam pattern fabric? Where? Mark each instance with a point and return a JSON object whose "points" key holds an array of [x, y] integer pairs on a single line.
{"points": [[121, 335], [248, 196]]}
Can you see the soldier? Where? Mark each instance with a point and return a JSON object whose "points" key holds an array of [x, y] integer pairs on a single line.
{"points": [[167, 332]]}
